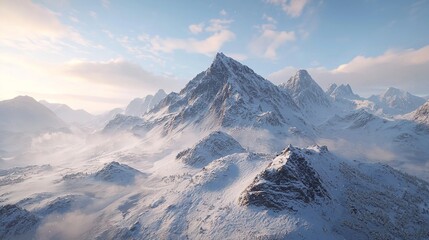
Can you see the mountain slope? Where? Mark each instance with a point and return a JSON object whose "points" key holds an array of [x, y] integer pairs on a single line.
{"points": [[362, 200], [305, 91], [68, 114], [395, 101], [227, 95], [216, 145], [139, 106], [24, 114], [421, 114], [343, 91]]}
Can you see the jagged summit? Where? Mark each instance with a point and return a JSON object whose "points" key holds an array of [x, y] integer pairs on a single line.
{"points": [[289, 179], [421, 115], [394, 92], [331, 88], [227, 94], [343, 91], [306, 93], [223, 62], [140, 106], [301, 80]]}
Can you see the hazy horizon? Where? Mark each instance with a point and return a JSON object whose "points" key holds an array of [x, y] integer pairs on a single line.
{"points": [[81, 54]]}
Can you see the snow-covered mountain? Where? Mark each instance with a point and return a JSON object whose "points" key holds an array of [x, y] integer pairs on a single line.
{"points": [[216, 145], [309, 96], [24, 114], [139, 106], [227, 95], [68, 114], [17, 222], [305, 91], [303, 193], [421, 114], [395, 101], [117, 173], [143, 182], [341, 92]]}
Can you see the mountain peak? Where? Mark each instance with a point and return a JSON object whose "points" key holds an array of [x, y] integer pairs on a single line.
{"points": [[344, 91], [24, 99], [222, 62], [302, 73], [391, 91], [305, 91]]}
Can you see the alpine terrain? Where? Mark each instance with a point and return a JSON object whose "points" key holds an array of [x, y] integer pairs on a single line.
{"points": [[230, 156]]}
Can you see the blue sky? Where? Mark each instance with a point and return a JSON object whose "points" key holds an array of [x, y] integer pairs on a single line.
{"points": [[100, 54]]}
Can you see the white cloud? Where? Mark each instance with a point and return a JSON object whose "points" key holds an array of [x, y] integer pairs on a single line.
{"points": [[93, 85], [26, 25], [117, 73], [220, 34], [405, 69], [223, 12], [196, 28], [269, 40], [217, 25], [292, 8]]}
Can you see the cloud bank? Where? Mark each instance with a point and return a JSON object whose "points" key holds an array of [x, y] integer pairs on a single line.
{"points": [[405, 69]]}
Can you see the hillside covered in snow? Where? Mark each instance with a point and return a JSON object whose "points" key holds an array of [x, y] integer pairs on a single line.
{"points": [[230, 156]]}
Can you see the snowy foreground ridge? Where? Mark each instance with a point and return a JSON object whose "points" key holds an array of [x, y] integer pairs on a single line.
{"points": [[231, 156]]}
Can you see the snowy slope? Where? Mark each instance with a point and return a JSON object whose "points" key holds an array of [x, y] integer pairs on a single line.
{"points": [[117, 173], [139, 106], [68, 114], [21, 119], [216, 145], [342, 91], [227, 95], [309, 96], [70, 187], [395, 101], [24, 114], [305, 91], [16, 222], [421, 114]]}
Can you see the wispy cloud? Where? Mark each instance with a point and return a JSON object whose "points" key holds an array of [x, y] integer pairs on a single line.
{"points": [[269, 40], [293, 8], [405, 69], [196, 28], [219, 35], [29, 26]]}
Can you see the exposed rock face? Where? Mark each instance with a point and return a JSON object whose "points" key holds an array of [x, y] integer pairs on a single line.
{"points": [[216, 145], [421, 115], [289, 179], [16, 222]]}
